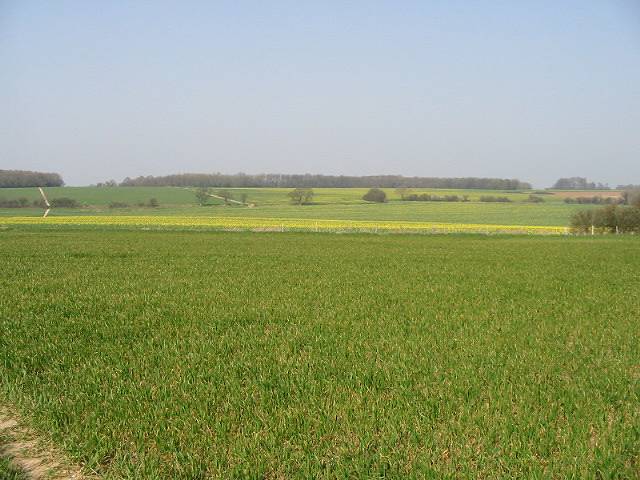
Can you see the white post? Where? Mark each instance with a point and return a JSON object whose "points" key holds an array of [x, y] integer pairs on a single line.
{"points": [[592, 230]]}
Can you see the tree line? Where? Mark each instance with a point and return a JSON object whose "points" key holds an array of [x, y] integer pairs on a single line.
{"points": [[240, 180], [25, 178]]}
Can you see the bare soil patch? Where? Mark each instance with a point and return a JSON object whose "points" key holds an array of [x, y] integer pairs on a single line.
{"points": [[32, 455]]}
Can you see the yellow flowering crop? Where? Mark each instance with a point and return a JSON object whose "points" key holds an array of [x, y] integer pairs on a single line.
{"points": [[283, 224]]}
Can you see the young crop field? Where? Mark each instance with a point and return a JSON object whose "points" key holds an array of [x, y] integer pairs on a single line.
{"points": [[213, 354]]}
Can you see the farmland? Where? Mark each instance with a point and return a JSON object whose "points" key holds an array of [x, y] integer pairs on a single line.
{"points": [[329, 204], [213, 354]]}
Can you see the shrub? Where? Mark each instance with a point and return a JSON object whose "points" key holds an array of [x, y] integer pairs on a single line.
{"points": [[375, 195], [118, 205], [535, 199], [582, 221], [153, 203], [64, 202], [629, 219]]}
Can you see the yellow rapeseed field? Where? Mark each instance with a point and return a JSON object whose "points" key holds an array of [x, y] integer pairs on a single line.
{"points": [[286, 224]]}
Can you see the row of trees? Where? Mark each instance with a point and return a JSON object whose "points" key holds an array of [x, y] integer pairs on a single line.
{"points": [[309, 181], [25, 178]]}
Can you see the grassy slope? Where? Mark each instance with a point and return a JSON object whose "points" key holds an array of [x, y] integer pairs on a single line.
{"points": [[340, 204], [179, 355]]}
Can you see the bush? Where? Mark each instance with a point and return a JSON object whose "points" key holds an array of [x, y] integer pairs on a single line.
{"points": [[491, 198], [375, 195], [153, 203], [64, 202], [118, 205], [582, 221], [535, 199], [629, 220]]}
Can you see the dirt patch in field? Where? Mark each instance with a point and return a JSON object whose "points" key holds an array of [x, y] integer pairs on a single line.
{"points": [[589, 194], [32, 455]]}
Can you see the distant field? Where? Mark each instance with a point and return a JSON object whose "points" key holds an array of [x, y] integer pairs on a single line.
{"points": [[94, 196], [329, 204], [194, 355]]}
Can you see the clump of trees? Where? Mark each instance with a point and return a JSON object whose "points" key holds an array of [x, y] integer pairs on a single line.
{"points": [[578, 183], [612, 218], [491, 198], [301, 196], [241, 180], [619, 218], [26, 178], [375, 195]]}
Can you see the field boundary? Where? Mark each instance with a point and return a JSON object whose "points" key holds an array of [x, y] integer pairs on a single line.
{"points": [[31, 455], [286, 224]]}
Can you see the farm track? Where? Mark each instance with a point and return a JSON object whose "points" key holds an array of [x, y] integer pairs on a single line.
{"points": [[32, 455]]}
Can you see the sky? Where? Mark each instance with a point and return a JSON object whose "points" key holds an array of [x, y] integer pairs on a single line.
{"points": [[534, 90]]}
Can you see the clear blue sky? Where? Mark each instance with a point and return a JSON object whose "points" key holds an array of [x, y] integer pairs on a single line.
{"points": [[530, 89]]}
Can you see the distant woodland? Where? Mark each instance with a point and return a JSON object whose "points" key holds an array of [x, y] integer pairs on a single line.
{"points": [[25, 178], [309, 180]]}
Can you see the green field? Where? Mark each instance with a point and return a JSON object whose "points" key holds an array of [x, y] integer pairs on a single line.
{"points": [[197, 355], [329, 204]]}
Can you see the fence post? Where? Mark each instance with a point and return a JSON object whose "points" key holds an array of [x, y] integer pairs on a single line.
{"points": [[592, 230]]}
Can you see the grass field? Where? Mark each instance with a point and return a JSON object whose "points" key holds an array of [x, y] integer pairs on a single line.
{"points": [[329, 204], [193, 355]]}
